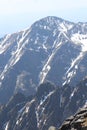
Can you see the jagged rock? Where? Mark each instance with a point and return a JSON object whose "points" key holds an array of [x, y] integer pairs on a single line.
{"points": [[77, 122]]}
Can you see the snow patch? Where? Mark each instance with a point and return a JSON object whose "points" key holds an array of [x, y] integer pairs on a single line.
{"points": [[63, 27], [28, 106], [15, 55], [71, 72], [18, 121], [80, 39], [4, 45], [47, 66], [45, 98], [38, 113], [72, 94], [27, 109], [85, 105], [6, 126], [37, 117], [44, 47]]}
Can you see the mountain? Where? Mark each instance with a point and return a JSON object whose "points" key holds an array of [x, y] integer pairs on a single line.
{"points": [[46, 110], [51, 49]]}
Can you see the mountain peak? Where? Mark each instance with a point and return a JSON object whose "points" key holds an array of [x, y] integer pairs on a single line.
{"points": [[51, 49]]}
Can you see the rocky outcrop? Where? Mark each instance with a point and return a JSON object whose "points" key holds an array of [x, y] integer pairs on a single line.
{"points": [[76, 122]]}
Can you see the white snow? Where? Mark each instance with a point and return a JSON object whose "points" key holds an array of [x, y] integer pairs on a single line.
{"points": [[45, 27], [81, 40], [42, 101], [27, 109], [44, 47], [6, 126], [42, 108], [55, 32], [36, 40], [24, 110], [72, 94], [63, 27], [5, 44], [15, 55], [65, 82], [28, 106], [85, 105], [46, 68], [37, 117], [69, 26], [18, 121], [74, 66]]}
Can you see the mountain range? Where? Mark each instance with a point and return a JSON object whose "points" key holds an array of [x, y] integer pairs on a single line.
{"points": [[43, 74]]}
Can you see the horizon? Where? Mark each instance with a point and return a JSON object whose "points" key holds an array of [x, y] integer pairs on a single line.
{"points": [[17, 15]]}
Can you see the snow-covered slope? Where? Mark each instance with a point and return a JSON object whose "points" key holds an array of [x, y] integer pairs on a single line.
{"points": [[51, 49]]}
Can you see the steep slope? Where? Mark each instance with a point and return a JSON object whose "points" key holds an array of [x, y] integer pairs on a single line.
{"points": [[45, 110], [51, 49]]}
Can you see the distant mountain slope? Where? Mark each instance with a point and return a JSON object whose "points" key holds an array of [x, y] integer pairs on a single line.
{"points": [[47, 109], [51, 49]]}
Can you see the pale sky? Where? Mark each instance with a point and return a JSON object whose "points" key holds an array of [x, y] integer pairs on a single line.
{"points": [[17, 15]]}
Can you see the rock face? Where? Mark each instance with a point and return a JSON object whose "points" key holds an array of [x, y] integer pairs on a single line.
{"points": [[46, 110], [51, 49], [76, 122]]}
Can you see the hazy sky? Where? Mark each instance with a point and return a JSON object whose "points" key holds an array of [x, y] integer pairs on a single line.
{"points": [[16, 15]]}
